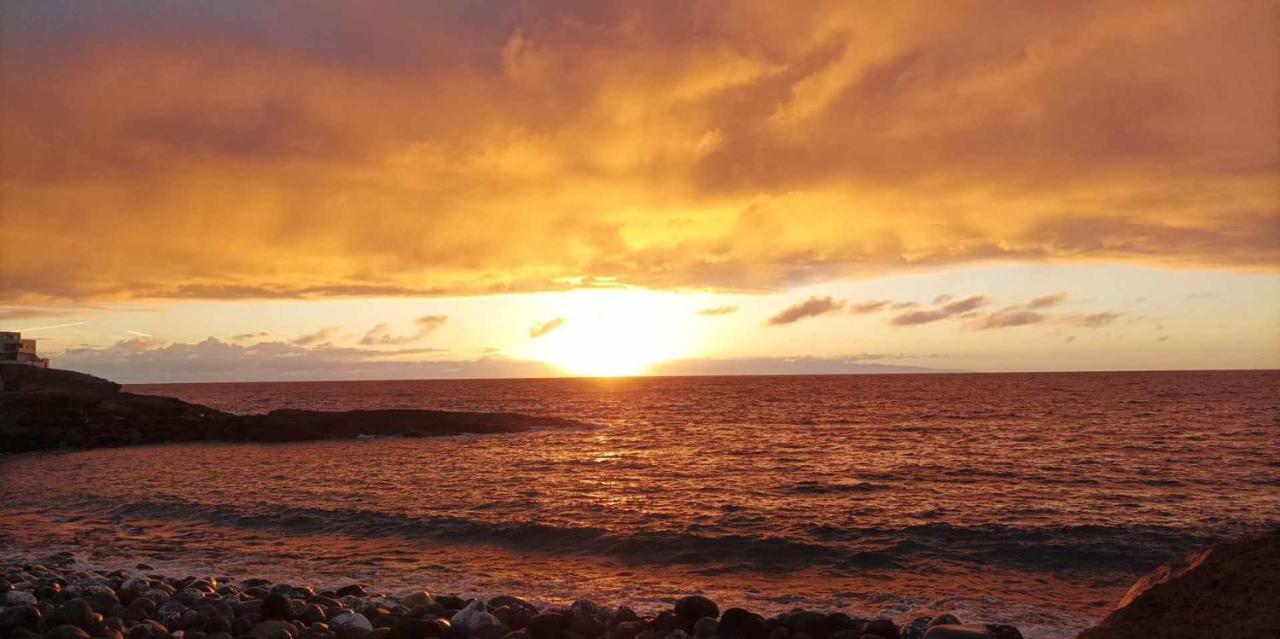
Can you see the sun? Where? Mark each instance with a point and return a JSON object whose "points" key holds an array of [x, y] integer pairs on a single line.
{"points": [[614, 333]]}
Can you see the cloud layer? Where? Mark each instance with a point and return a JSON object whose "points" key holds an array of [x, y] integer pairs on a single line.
{"points": [[326, 149]]}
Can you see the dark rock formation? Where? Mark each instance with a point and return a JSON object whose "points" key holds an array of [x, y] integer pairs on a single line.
{"points": [[1229, 590], [222, 608], [45, 409]]}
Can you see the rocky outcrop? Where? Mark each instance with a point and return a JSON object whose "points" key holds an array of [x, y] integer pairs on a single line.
{"points": [[1229, 590], [44, 409], [59, 597]]}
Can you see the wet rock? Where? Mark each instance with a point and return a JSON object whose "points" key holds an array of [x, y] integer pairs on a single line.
{"points": [[623, 614], [146, 629], [272, 629], [489, 631], [19, 598], [972, 631], [13, 618], [506, 616], [663, 623], [472, 617], [313, 613], [514, 603], [584, 619], [139, 609], [75, 612], [915, 628], [413, 628], [947, 618], [706, 627], [103, 600], [779, 632], [314, 631], [692, 608], [807, 621], [547, 625], [420, 599], [451, 602], [627, 630], [350, 620], [848, 633], [277, 606], [66, 631], [739, 623], [881, 628]]}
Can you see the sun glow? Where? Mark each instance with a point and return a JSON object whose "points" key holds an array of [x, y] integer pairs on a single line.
{"points": [[614, 333]]}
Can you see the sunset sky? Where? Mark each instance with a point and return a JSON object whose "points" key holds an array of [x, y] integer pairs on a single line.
{"points": [[200, 191]]}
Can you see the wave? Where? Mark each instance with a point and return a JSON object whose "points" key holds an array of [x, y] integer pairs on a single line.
{"points": [[1048, 548]]}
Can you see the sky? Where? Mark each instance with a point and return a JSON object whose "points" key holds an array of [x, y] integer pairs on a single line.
{"points": [[208, 191]]}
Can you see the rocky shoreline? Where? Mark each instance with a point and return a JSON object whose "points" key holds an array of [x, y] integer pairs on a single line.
{"points": [[46, 409], [59, 598]]}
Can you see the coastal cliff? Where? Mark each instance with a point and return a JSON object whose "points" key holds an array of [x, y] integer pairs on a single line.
{"points": [[1229, 590], [47, 409]]}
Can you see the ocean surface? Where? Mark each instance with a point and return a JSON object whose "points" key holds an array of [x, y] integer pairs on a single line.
{"points": [[1031, 499]]}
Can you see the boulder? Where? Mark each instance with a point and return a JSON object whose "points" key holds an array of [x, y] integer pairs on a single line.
{"points": [[350, 620], [1232, 589], [66, 631], [706, 627], [692, 608], [419, 599], [972, 631], [881, 628], [915, 628], [738, 623], [472, 617], [547, 625], [75, 612], [13, 618]]}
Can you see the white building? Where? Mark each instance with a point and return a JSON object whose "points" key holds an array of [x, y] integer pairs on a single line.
{"points": [[15, 350]]}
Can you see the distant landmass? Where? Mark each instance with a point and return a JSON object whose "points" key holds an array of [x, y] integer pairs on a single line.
{"points": [[787, 366]]}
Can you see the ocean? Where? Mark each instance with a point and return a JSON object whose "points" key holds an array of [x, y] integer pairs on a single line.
{"points": [[1029, 499]]}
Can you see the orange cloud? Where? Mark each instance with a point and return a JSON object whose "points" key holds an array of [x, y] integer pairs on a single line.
{"points": [[542, 328], [426, 149], [812, 307], [718, 310], [381, 333]]}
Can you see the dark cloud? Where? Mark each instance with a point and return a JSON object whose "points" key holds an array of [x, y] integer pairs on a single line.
{"points": [[811, 307], [1091, 320], [913, 318], [1008, 319], [862, 308], [947, 310], [313, 137], [542, 328], [321, 336], [965, 305], [718, 310], [1048, 301], [382, 335]]}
